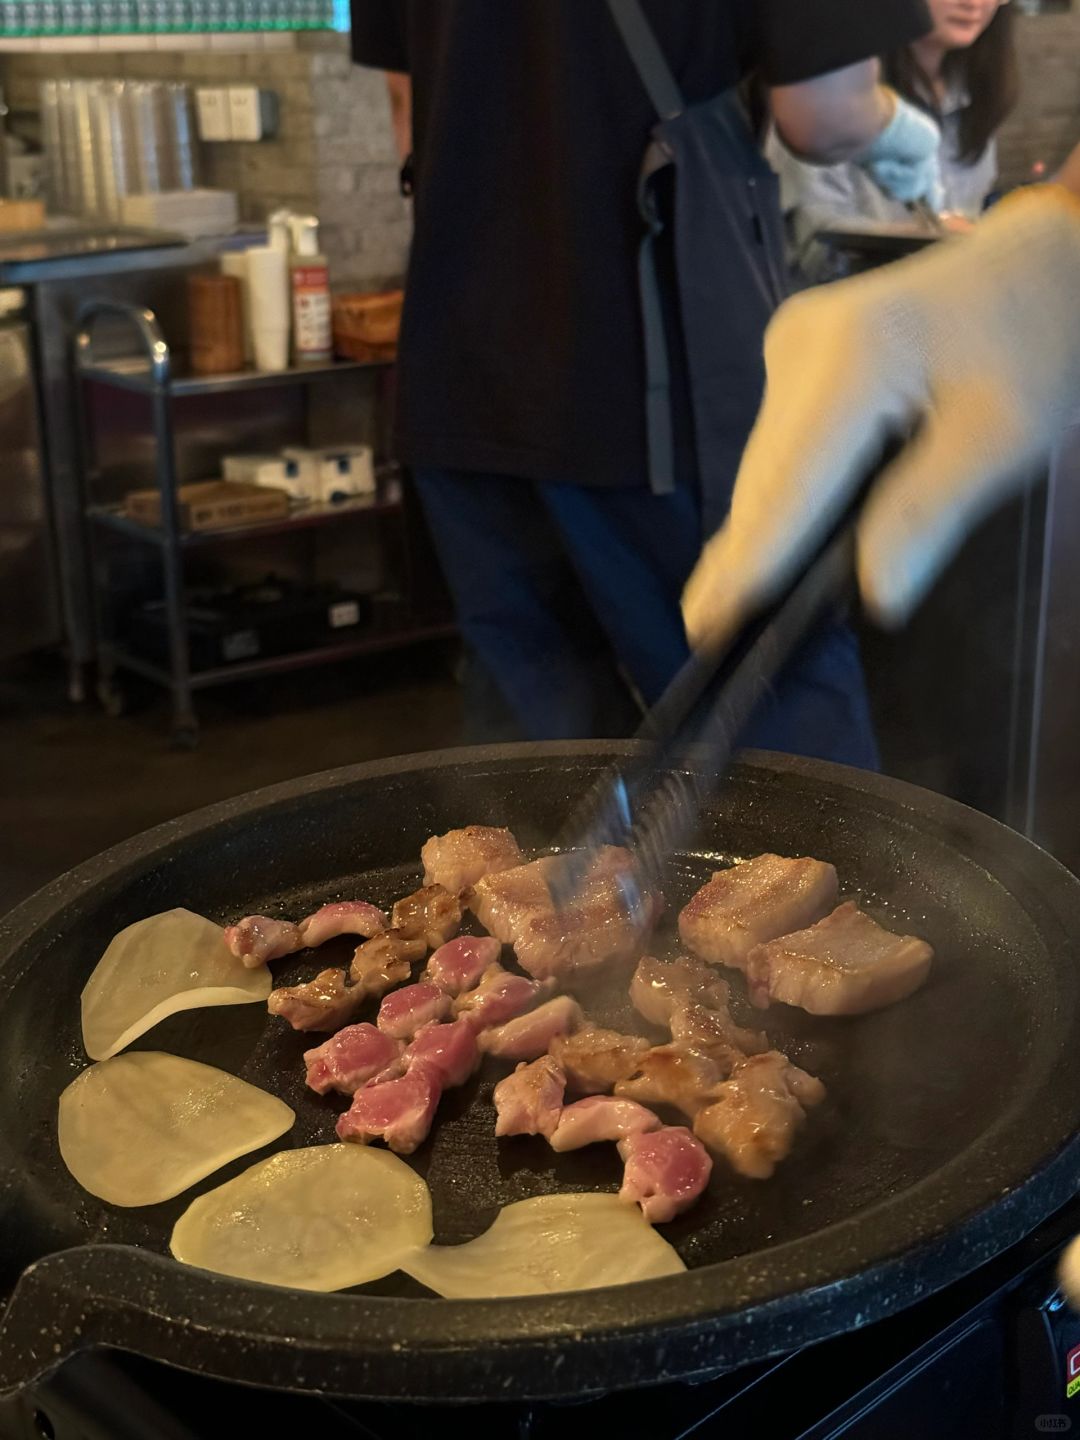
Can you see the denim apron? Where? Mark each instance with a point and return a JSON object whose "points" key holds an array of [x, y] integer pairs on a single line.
{"points": [[704, 169], [705, 176]]}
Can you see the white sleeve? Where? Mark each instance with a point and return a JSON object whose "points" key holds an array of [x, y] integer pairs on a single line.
{"points": [[814, 198]]}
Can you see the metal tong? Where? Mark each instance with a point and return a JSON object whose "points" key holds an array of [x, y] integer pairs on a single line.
{"points": [[651, 803]]}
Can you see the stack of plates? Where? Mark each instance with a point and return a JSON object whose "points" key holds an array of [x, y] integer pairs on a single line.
{"points": [[187, 212]]}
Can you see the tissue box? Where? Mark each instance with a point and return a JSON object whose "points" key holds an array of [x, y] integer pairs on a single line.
{"points": [[276, 471], [334, 473]]}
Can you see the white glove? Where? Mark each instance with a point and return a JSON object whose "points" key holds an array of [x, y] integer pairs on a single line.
{"points": [[977, 338], [905, 158]]}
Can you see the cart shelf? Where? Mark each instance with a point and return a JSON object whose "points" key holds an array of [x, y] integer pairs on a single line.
{"points": [[388, 498], [143, 375], [153, 375]]}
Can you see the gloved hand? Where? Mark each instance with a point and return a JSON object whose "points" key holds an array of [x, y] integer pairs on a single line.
{"points": [[905, 158], [977, 338]]}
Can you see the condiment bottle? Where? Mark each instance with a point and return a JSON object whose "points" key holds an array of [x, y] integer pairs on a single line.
{"points": [[309, 283]]}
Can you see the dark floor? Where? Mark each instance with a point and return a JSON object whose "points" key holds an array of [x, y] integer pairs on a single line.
{"points": [[74, 781]]}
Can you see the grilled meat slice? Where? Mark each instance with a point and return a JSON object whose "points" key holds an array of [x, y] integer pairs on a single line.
{"points": [[846, 964], [753, 902], [595, 1060], [432, 915], [458, 859], [753, 1119], [600, 1117], [529, 1101]]}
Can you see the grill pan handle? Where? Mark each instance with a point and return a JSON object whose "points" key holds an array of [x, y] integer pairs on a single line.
{"points": [[125, 1298]]}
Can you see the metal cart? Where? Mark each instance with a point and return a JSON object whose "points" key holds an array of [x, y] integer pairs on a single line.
{"points": [[152, 374]]}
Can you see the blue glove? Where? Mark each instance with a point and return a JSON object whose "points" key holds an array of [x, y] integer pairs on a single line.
{"points": [[905, 158]]}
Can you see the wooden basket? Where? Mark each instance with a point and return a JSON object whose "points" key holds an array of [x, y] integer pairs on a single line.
{"points": [[366, 325]]}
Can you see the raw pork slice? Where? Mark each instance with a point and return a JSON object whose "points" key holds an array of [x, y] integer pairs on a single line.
{"points": [[397, 1111], [753, 1119], [755, 901], [325, 1003], [407, 1010], [447, 1051], [595, 1059], [459, 964], [527, 1037], [458, 859], [675, 1075], [432, 915], [600, 1117], [500, 996], [350, 1059], [529, 1102], [256, 940], [342, 917], [666, 1170], [846, 964], [516, 907], [659, 986]]}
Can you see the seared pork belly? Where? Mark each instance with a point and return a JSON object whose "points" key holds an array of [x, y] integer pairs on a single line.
{"points": [[256, 939], [350, 1058], [595, 1059], [661, 986], [325, 1003], [530, 1035], [846, 964], [449, 1051], [385, 961], [458, 859], [753, 902], [529, 1102], [459, 964], [500, 996], [516, 907], [673, 1075], [403, 1012], [600, 1117], [432, 915], [754, 1116], [665, 1171], [342, 917], [399, 1111]]}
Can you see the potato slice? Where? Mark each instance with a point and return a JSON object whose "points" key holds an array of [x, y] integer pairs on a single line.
{"points": [[175, 961], [323, 1218], [548, 1244], [141, 1128]]}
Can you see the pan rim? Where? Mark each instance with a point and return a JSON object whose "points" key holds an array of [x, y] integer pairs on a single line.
{"points": [[520, 1325]]}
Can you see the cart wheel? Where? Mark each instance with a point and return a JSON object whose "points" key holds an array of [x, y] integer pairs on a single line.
{"points": [[111, 698], [185, 737]]}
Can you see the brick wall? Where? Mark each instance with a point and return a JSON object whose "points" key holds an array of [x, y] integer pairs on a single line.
{"points": [[334, 155], [1046, 124]]}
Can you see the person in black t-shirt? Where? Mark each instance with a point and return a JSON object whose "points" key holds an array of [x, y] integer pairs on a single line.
{"points": [[521, 354]]}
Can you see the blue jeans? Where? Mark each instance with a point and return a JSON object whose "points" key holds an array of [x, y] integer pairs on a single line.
{"points": [[568, 597]]}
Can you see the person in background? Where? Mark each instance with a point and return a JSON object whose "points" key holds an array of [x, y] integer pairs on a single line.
{"points": [[964, 73], [522, 362]]}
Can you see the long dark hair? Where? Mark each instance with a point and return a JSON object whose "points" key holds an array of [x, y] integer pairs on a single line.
{"points": [[988, 70]]}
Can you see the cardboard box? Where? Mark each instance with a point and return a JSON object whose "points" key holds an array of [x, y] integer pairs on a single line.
{"points": [[211, 505]]}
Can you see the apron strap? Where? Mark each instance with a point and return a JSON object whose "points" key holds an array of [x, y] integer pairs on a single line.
{"points": [[648, 58], [659, 431]]}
